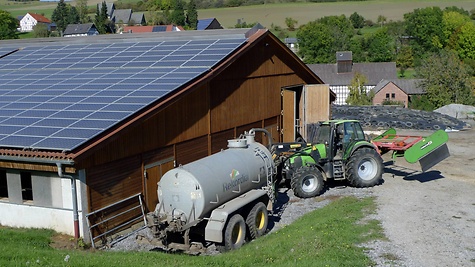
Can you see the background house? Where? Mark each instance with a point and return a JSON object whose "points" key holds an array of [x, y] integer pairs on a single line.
{"points": [[87, 29], [397, 90], [30, 20], [339, 75], [156, 28], [208, 24], [87, 129]]}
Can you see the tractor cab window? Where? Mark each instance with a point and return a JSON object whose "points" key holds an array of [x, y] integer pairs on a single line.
{"points": [[359, 132], [323, 134]]}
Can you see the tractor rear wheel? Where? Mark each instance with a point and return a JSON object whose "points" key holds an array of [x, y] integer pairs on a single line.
{"points": [[307, 182], [364, 168], [257, 220]]}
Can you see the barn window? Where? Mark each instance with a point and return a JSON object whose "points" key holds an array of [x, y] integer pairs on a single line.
{"points": [[26, 186], [3, 184], [393, 95]]}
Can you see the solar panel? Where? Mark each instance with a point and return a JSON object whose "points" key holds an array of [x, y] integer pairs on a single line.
{"points": [[57, 97]]}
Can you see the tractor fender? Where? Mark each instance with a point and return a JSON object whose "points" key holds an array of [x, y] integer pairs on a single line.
{"points": [[361, 144]]}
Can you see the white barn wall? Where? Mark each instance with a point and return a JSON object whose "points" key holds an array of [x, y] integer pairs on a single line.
{"points": [[29, 215]]}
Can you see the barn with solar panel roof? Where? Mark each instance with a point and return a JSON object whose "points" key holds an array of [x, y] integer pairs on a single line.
{"points": [[89, 125]]}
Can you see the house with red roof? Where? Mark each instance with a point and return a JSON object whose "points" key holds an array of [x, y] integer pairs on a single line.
{"points": [[30, 20]]}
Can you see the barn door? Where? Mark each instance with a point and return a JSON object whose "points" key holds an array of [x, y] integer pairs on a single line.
{"points": [[153, 174], [288, 115]]}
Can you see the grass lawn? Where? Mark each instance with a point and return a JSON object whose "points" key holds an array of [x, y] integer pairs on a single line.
{"points": [[330, 236]]}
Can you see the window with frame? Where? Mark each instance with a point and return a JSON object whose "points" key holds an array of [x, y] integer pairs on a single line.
{"points": [[393, 95], [3, 184], [387, 96], [26, 186]]}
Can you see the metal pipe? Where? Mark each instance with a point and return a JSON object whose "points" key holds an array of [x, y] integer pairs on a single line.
{"points": [[75, 200]]}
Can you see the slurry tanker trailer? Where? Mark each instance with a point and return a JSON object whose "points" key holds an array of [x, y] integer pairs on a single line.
{"points": [[223, 198]]}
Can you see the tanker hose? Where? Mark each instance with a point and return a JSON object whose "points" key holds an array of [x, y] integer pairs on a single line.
{"points": [[269, 137]]}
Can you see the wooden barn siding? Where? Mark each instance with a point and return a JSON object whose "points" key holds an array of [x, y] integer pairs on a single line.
{"points": [[109, 183]]}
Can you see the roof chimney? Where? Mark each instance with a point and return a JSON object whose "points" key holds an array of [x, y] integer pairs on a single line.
{"points": [[344, 62]]}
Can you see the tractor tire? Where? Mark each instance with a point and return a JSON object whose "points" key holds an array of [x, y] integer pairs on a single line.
{"points": [[257, 220], [235, 233], [307, 182], [364, 168]]}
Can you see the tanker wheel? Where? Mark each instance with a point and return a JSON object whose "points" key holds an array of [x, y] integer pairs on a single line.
{"points": [[307, 182], [257, 220], [364, 168], [235, 233]]}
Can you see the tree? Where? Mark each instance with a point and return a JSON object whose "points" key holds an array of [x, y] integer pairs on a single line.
{"points": [[100, 20], [192, 15], [315, 43], [290, 22], [178, 14], [380, 46], [342, 31], [8, 25], [358, 95], [73, 15], [40, 30], [65, 14], [465, 46], [424, 26], [357, 20], [404, 59], [452, 22], [382, 20], [81, 6], [446, 79], [60, 16]]}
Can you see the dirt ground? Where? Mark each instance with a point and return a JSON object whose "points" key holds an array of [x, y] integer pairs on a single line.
{"points": [[429, 217]]}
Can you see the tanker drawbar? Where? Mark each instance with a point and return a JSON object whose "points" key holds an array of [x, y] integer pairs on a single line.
{"points": [[222, 198]]}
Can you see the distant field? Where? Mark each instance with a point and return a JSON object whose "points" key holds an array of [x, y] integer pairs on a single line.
{"points": [[275, 14]]}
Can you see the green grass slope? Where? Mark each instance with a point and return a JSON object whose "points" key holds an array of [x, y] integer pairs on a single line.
{"points": [[330, 236]]}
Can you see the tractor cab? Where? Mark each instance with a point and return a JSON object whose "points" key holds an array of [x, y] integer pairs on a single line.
{"points": [[338, 136]]}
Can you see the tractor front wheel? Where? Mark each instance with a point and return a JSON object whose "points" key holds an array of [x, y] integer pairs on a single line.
{"points": [[364, 168], [307, 182]]}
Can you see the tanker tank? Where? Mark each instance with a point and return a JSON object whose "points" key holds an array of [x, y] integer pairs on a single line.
{"points": [[190, 192]]}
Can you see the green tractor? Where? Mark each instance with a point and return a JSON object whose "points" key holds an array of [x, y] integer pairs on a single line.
{"points": [[342, 151]]}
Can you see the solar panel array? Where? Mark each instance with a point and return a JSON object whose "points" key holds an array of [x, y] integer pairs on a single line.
{"points": [[57, 97]]}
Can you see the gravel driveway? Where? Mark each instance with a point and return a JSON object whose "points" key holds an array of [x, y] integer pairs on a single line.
{"points": [[429, 218]]}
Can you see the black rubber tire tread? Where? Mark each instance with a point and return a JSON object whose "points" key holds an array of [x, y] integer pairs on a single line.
{"points": [[257, 228], [297, 181], [229, 243], [353, 164]]}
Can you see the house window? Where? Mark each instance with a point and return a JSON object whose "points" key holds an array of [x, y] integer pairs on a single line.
{"points": [[393, 95], [26, 186], [3, 184], [387, 96]]}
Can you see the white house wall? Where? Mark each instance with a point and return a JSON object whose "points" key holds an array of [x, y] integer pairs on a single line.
{"points": [[27, 23], [342, 92], [51, 207]]}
